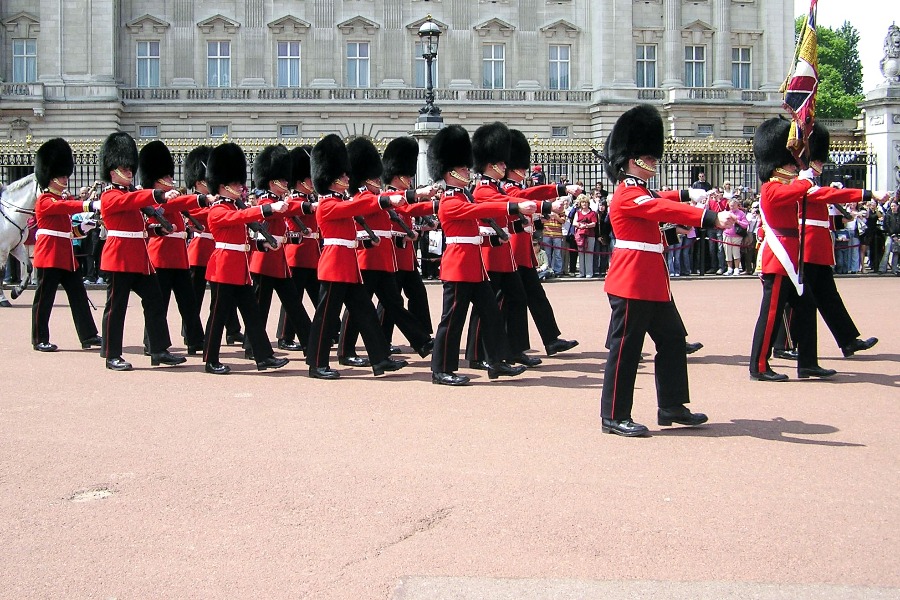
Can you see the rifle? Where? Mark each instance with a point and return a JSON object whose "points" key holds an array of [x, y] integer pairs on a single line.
{"points": [[374, 239], [197, 225], [255, 227], [497, 229], [396, 218], [297, 221], [157, 213]]}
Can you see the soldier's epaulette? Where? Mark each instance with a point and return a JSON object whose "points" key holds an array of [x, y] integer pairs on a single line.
{"points": [[449, 193], [485, 182], [634, 182]]}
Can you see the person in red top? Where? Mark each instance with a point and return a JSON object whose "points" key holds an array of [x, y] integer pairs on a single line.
{"points": [[462, 266], [228, 270], [125, 257], [637, 282], [377, 262], [168, 252], [301, 247], [202, 244], [341, 282], [54, 257], [535, 296], [272, 174]]}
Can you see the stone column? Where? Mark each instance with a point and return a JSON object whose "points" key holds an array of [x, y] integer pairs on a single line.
{"points": [[253, 44], [673, 49], [882, 123], [184, 28], [623, 44], [779, 42], [722, 25]]}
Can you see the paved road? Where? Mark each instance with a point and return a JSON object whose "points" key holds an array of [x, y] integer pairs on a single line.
{"points": [[171, 483]]}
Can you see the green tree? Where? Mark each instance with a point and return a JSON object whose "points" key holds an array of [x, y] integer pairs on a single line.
{"points": [[840, 71]]}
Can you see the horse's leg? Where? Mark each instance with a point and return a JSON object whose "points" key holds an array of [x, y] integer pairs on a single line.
{"points": [[21, 254], [4, 255]]}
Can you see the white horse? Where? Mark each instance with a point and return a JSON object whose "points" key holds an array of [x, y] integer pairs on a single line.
{"points": [[16, 205]]}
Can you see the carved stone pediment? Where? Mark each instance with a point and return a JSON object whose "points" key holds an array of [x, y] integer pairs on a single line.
{"points": [[494, 26], [22, 25], [289, 24], [146, 24], [358, 24], [415, 25], [697, 32], [560, 28], [218, 22]]}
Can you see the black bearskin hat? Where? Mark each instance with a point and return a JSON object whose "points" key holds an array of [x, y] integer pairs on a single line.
{"points": [[519, 151], [300, 164], [272, 163], [53, 159], [819, 143], [195, 166], [118, 150], [770, 147], [450, 148], [490, 144], [227, 164], [638, 132], [400, 158], [365, 162], [328, 162], [154, 162]]}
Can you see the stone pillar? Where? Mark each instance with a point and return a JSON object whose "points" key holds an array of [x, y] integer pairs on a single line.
{"points": [[184, 29], [253, 44], [722, 25], [779, 42], [882, 114], [622, 44], [673, 49]]}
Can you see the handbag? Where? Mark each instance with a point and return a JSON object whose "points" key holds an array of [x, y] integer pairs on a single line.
{"points": [[739, 230]]}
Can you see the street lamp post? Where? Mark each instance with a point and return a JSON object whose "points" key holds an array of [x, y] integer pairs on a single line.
{"points": [[429, 33]]}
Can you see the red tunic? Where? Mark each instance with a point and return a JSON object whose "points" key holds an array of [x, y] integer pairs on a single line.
{"points": [[635, 214], [54, 214], [229, 226], [120, 208], [521, 242], [170, 251], [335, 218], [497, 259], [273, 263], [302, 250], [381, 257], [819, 245], [458, 214], [201, 246], [406, 256]]}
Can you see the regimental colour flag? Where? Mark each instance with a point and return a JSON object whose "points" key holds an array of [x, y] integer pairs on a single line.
{"points": [[801, 84]]}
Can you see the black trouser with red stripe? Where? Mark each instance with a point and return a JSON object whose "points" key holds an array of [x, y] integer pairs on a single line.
{"points": [[457, 298], [383, 285], [539, 306], [48, 280], [629, 322], [412, 286], [198, 282], [178, 282], [290, 302], [778, 290], [509, 294], [305, 280], [332, 296], [120, 286], [227, 298]]}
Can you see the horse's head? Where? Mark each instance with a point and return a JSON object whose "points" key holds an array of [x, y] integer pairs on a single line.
{"points": [[21, 193]]}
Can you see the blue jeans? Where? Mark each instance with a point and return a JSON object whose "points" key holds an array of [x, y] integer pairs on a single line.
{"points": [[687, 255], [554, 247]]}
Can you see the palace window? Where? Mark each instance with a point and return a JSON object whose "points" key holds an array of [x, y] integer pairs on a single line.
{"points": [[358, 64], [559, 67], [288, 64], [147, 64], [218, 64], [420, 78], [24, 60], [695, 66], [493, 66], [645, 74], [740, 68]]}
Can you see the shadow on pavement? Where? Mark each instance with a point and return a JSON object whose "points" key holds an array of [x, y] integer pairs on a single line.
{"points": [[778, 429]]}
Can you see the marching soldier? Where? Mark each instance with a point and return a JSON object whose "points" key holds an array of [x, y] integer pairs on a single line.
{"points": [[462, 266], [400, 160], [301, 247], [228, 270], [168, 251], [125, 257], [202, 244], [521, 239], [54, 257], [377, 261], [637, 282], [341, 283], [272, 174]]}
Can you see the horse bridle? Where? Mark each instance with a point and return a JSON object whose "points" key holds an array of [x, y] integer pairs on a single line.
{"points": [[22, 230]]}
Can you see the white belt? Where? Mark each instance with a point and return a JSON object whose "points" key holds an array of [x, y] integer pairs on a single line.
{"points": [[528, 229], [396, 233], [643, 246], [204, 235], [177, 234], [816, 223], [54, 233], [236, 247], [463, 239], [340, 242], [260, 237], [126, 234], [311, 236], [490, 230]]}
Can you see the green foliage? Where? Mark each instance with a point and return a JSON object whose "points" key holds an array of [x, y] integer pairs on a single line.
{"points": [[840, 71]]}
